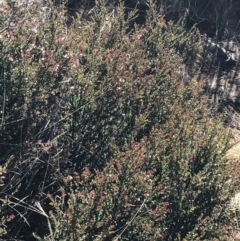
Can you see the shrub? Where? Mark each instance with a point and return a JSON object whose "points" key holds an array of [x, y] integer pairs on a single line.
{"points": [[104, 133]]}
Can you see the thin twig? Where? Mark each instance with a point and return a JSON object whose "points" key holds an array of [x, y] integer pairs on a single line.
{"points": [[129, 223], [38, 205], [4, 98]]}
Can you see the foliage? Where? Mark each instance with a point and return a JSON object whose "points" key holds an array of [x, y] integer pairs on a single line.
{"points": [[103, 134], [165, 187], [219, 19]]}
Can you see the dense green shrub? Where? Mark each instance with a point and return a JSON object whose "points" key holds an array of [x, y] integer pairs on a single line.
{"points": [[165, 187], [101, 130]]}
